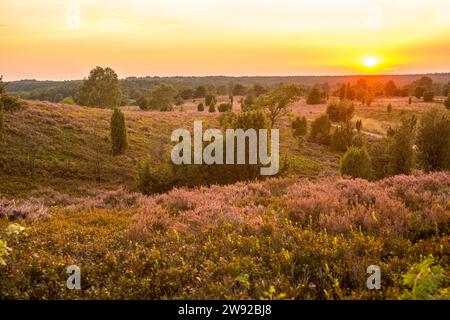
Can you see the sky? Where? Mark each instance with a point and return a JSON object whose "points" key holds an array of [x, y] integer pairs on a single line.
{"points": [[64, 39]]}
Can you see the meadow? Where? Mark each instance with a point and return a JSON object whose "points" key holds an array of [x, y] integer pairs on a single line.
{"points": [[310, 234]]}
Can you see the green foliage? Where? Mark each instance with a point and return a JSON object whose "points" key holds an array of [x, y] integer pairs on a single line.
{"points": [[239, 90], [401, 150], [100, 89], [447, 102], [212, 106], [143, 103], [278, 101], [433, 139], [68, 100], [340, 111], [200, 92], [299, 127], [419, 91], [428, 96], [209, 98], [356, 163], [359, 125], [320, 130], [4, 252], [154, 180], [224, 107], [378, 151], [425, 281], [10, 103], [200, 107], [314, 96], [119, 137], [162, 97], [2, 122], [342, 137]]}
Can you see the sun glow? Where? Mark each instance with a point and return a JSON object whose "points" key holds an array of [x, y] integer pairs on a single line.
{"points": [[370, 62]]}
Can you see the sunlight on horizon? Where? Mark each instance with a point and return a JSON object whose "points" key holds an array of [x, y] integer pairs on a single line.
{"points": [[58, 39]]}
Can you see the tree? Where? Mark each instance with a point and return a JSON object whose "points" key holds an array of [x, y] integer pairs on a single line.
{"points": [[162, 98], [212, 106], [2, 122], [143, 103], [314, 96], [238, 90], [389, 108], [433, 139], [428, 96], [340, 111], [401, 149], [418, 92], [200, 107], [299, 127], [342, 137], [320, 130], [209, 98], [390, 88], [359, 125], [200, 92], [447, 102], [224, 107], [100, 89], [356, 163], [119, 136], [278, 101], [187, 93]]}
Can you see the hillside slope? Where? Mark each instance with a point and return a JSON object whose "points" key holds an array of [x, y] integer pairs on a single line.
{"points": [[68, 148]]}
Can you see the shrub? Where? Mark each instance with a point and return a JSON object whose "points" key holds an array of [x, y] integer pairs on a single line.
{"points": [[359, 125], [154, 180], [209, 99], [425, 281], [68, 100], [320, 130], [389, 108], [2, 122], [224, 107], [428, 96], [200, 107], [342, 137], [314, 96], [433, 139], [378, 152], [119, 137], [10, 103], [356, 163], [418, 92], [300, 126], [401, 150], [212, 106], [340, 111], [447, 102], [143, 103]]}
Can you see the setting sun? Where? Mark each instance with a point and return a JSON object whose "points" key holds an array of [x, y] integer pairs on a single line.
{"points": [[371, 62]]}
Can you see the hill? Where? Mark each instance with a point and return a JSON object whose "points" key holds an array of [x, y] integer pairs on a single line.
{"points": [[68, 148]]}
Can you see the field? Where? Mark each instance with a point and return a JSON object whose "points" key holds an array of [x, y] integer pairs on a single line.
{"points": [[309, 235]]}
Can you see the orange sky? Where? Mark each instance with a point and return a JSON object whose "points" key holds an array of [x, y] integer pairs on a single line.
{"points": [[55, 39]]}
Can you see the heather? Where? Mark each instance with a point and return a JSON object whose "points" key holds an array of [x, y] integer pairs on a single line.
{"points": [[282, 238]]}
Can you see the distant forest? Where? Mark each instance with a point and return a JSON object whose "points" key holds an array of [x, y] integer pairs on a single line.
{"points": [[135, 87]]}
